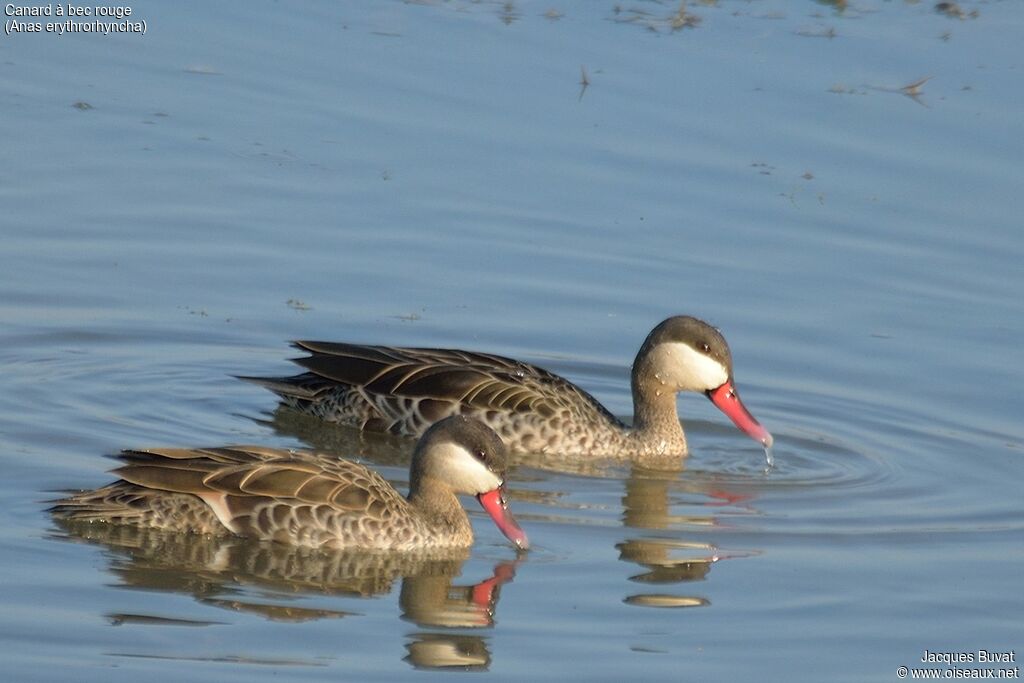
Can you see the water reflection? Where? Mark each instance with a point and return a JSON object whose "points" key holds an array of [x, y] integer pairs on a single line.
{"points": [[647, 504], [344, 441], [650, 496], [656, 555], [445, 651], [435, 601], [222, 571]]}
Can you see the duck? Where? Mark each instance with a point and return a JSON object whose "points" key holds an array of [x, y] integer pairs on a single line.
{"points": [[402, 391], [303, 498]]}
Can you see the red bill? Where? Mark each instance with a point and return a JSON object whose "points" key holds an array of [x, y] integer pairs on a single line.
{"points": [[728, 401], [494, 503]]}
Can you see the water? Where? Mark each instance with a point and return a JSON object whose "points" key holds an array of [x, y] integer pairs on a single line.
{"points": [[432, 174]]}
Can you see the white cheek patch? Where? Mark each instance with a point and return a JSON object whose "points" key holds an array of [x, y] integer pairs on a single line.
{"points": [[463, 472], [690, 370]]}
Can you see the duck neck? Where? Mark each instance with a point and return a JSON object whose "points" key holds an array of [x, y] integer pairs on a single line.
{"points": [[439, 506], [655, 418]]}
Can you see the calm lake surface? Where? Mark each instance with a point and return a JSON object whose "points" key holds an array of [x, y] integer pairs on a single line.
{"points": [[545, 181]]}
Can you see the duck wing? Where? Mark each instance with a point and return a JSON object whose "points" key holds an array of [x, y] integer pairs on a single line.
{"points": [[480, 381], [290, 496]]}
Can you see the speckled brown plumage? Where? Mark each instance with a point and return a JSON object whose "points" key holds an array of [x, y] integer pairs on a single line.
{"points": [[404, 390], [303, 498]]}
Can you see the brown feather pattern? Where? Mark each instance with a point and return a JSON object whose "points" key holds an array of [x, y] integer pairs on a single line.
{"points": [[306, 498], [404, 390], [293, 497]]}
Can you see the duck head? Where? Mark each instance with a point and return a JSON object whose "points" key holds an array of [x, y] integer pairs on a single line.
{"points": [[684, 353], [467, 455]]}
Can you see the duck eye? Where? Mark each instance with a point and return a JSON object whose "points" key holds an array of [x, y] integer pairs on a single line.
{"points": [[480, 454], [705, 347]]}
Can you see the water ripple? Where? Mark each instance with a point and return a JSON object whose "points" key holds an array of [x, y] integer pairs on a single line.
{"points": [[800, 462]]}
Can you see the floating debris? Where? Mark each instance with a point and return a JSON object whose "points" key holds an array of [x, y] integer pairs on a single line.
{"points": [[954, 11], [913, 90], [829, 32], [681, 18], [202, 70]]}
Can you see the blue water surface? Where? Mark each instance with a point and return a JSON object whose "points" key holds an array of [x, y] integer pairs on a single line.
{"points": [[545, 181]]}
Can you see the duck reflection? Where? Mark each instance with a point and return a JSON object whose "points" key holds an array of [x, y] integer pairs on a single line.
{"points": [[667, 560], [222, 571], [651, 493], [444, 651], [647, 504], [380, 449]]}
